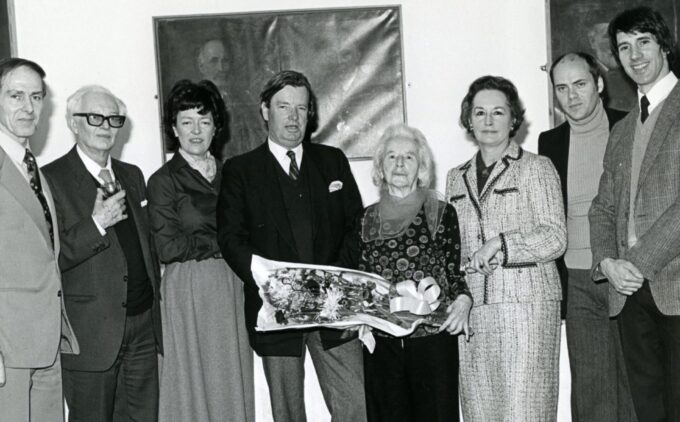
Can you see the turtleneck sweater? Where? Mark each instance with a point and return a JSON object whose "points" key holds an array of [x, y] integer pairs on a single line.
{"points": [[587, 144]]}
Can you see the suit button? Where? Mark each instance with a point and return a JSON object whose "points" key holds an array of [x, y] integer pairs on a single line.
{"points": [[125, 279], [59, 293], [124, 304]]}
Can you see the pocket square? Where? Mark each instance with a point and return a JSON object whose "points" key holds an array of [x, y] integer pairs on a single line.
{"points": [[334, 186], [143, 203]]}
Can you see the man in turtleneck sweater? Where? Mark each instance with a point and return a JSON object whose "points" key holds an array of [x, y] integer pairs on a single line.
{"points": [[599, 386]]}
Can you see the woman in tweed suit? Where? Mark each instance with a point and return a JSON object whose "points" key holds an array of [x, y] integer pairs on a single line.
{"points": [[512, 226]]}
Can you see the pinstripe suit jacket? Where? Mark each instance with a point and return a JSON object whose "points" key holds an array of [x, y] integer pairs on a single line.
{"points": [[657, 206], [521, 202]]}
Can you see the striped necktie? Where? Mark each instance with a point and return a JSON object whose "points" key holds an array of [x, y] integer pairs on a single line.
{"points": [[293, 170]]}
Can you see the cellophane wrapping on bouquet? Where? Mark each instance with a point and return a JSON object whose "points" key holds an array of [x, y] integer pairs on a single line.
{"points": [[305, 296]]}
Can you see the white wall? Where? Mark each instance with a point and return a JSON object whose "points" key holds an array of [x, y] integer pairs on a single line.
{"points": [[447, 44]]}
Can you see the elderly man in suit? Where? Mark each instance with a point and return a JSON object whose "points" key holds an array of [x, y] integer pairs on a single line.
{"points": [[109, 268], [32, 320], [293, 201], [635, 217], [599, 387]]}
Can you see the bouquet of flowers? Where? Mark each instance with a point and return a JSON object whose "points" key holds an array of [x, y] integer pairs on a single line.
{"points": [[304, 296]]}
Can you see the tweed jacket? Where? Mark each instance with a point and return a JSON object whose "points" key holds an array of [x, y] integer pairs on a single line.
{"points": [[522, 203], [657, 206]]}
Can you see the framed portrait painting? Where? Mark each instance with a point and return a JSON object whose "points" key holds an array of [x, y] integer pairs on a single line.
{"points": [[352, 57]]}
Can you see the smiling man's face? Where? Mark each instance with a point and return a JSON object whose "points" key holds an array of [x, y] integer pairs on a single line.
{"points": [[642, 58]]}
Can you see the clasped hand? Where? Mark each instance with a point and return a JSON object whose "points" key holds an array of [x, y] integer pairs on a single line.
{"points": [[622, 274], [459, 317], [110, 211], [484, 260]]}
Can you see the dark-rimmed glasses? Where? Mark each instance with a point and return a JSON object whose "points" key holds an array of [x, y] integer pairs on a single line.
{"points": [[93, 119]]}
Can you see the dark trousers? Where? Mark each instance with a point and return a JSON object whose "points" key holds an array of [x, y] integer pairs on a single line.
{"points": [[412, 379], [651, 348], [599, 385], [128, 391], [340, 373]]}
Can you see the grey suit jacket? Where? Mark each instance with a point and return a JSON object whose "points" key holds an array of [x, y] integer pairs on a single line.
{"points": [[657, 206], [31, 307]]}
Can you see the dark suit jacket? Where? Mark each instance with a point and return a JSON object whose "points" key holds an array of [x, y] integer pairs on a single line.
{"points": [[252, 219], [657, 206], [554, 144], [93, 266]]}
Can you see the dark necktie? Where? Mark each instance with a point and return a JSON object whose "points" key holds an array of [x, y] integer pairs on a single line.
{"points": [[293, 170], [644, 108], [34, 175]]}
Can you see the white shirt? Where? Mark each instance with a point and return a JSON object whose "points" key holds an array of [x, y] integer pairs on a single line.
{"points": [[280, 152], [16, 153], [659, 91], [94, 168]]}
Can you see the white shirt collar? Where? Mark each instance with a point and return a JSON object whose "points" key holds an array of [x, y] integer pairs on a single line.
{"points": [[92, 167], [15, 151], [659, 91], [280, 152]]}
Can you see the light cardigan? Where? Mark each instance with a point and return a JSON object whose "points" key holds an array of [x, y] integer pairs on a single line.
{"points": [[522, 203]]}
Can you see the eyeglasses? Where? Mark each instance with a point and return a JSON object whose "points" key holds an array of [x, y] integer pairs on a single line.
{"points": [[93, 119]]}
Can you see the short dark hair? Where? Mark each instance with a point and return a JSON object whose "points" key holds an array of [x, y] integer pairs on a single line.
{"points": [[641, 19], [594, 66], [8, 65], [204, 96], [296, 79], [497, 83]]}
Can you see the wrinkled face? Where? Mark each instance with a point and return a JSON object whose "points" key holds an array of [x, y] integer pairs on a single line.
{"points": [[21, 101], [91, 139], [575, 90], [400, 165], [490, 118], [286, 116], [642, 58], [195, 131], [212, 62]]}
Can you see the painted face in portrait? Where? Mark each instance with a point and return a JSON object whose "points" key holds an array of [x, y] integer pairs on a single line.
{"points": [[212, 62], [21, 101], [95, 140], [287, 115], [195, 131], [642, 58], [490, 118], [576, 91], [400, 165]]}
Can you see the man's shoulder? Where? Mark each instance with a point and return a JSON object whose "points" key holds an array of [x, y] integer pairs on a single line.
{"points": [[58, 166], [614, 115], [556, 133], [325, 152]]}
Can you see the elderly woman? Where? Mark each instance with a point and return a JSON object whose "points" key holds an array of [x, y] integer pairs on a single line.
{"points": [[512, 228], [409, 234], [207, 371]]}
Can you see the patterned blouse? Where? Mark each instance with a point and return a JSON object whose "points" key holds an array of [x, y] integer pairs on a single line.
{"points": [[415, 255]]}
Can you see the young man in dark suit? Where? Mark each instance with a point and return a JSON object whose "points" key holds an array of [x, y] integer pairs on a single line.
{"points": [[295, 201], [110, 270], [599, 387], [635, 217]]}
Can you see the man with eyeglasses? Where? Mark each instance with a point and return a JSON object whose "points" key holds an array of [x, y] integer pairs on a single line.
{"points": [[109, 268], [32, 320]]}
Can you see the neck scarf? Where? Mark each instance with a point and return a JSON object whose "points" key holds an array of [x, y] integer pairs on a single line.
{"points": [[205, 165]]}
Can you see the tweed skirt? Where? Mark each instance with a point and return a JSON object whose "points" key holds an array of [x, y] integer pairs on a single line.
{"points": [[509, 370]]}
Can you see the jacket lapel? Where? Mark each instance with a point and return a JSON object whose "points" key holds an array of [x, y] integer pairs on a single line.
{"points": [[270, 194], [667, 117], [18, 187]]}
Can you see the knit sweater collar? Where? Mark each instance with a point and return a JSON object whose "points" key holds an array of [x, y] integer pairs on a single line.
{"points": [[591, 123]]}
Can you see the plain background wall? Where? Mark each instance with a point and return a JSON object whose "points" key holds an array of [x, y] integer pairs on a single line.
{"points": [[446, 45]]}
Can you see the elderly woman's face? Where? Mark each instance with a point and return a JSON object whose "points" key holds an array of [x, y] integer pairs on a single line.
{"points": [[400, 165], [195, 131], [491, 119]]}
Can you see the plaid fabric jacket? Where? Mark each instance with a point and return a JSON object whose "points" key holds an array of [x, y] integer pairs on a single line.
{"points": [[522, 203], [657, 206]]}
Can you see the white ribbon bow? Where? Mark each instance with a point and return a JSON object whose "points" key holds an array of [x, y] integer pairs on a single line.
{"points": [[420, 299]]}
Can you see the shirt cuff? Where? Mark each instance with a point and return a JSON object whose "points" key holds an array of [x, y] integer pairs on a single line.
{"points": [[100, 228]]}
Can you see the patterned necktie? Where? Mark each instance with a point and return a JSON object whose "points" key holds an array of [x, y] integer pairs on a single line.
{"points": [[644, 108], [293, 170], [105, 175], [34, 175]]}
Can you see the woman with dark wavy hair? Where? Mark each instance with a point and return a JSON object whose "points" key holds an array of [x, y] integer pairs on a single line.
{"points": [[207, 370], [512, 227]]}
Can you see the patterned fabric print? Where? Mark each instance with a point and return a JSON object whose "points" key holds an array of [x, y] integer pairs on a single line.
{"points": [[415, 255]]}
